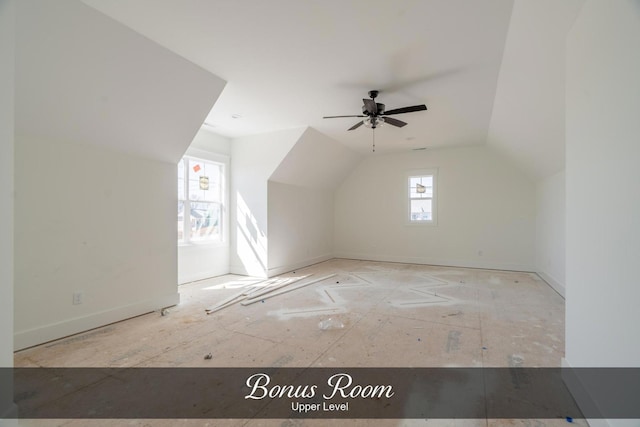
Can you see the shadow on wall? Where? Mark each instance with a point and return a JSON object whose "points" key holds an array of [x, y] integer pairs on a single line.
{"points": [[251, 241]]}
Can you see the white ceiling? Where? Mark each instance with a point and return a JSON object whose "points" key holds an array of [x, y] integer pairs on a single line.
{"points": [[290, 62]]}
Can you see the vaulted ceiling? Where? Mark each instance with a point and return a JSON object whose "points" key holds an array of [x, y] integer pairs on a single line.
{"points": [[288, 63]]}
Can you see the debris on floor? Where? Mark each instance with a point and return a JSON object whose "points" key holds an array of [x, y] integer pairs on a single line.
{"points": [[270, 294], [228, 301], [330, 324], [569, 419], [164, 312], [208, 356], [255, 291]]}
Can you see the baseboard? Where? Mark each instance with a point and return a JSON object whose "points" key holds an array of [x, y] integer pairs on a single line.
{"points": [[40, 335], [201, 276], [580, 394], [555, 284], [490, 265], [301, 264], [241, 270]]}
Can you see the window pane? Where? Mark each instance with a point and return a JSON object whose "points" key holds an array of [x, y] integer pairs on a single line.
{"points": [[200, 184], [421, 187], [205, 221], [196, 168], [421, 192], [180, 221], [204, 181], [213, 173], [421, 210], [194, 189]]}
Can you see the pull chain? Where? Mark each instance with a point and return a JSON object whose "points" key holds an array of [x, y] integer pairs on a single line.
{"points": [[374, 140]]}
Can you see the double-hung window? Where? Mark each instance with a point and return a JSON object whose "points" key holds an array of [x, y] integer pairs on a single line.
{"points": [[200, 197], [421, 187]]}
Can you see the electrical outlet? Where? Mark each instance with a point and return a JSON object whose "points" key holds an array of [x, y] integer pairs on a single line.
{"points": [[77, 298]]}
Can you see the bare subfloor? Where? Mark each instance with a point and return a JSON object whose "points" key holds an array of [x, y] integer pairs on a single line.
{"points": [[393, 315]]}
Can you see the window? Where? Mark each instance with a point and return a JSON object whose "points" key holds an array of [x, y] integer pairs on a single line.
{"points": [[422, 203], [200, 200]]}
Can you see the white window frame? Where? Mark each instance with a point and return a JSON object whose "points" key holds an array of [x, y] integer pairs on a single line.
{"points": [[434, 198], [222, 162]]}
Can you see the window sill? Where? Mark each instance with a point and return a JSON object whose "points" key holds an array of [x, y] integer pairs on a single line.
{"points": [[421, 223]]}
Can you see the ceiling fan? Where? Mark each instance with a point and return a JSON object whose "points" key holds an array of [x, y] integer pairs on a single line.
{"points": [[375, 114]]}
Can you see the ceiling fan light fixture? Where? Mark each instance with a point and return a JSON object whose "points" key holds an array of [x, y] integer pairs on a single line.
{"points": [[373, 122]]}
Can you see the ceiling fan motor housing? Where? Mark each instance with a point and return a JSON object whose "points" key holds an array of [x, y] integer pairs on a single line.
{"points": [[379, 107]]}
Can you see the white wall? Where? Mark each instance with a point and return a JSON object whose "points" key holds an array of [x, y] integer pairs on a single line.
{"points": [[300, 201], [94, 221], [253, 160], [484, 204], [7, 46], [603, 191], [102, 117], [198, 261], [550, 230], [527, 122], [7, 20], [300, 226]]}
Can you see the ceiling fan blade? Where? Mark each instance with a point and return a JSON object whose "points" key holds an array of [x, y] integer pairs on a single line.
{"points": [[406, 110], [371, 106], [337, 117], [356, 126], [394, 122]]}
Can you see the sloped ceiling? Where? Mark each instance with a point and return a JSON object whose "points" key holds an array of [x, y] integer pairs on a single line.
{"points": [[527, 123], [490, 71], [288, 63], [83, 77], [316, 161]]}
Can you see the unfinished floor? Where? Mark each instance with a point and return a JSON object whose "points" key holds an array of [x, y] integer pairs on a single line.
{"points": [[393, 315]]}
